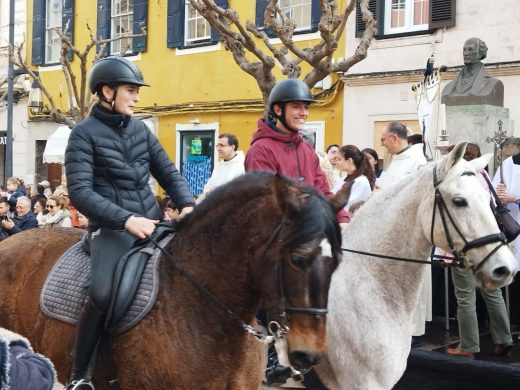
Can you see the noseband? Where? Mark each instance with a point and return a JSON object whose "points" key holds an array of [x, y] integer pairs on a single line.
{"points": [[459, 257], [282, 308]]}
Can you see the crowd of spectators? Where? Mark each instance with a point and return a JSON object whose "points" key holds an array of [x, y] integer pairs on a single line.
{"points": [[24, 207]]}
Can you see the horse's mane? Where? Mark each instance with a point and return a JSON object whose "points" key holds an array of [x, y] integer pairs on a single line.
{"points": [[315, 218]]}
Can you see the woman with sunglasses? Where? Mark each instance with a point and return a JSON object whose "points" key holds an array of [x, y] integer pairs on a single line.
{"points": [[57, 215]]}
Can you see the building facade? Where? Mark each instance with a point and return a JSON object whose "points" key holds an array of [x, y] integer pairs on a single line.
{"points": [[378, 89], [21, 84], [197, 90]]}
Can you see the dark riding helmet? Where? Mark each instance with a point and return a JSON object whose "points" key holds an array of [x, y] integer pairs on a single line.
{"points": [[114, 71], [289, 90]]}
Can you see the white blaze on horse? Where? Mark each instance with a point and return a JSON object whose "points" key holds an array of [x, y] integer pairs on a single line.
{"points": [[371, 299]]}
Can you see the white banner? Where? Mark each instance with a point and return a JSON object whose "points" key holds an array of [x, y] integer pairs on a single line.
{"points": [[431, 113]]}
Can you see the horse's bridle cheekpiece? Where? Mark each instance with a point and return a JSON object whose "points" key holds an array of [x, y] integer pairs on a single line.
{"points": [[459, 257], [281, 309]]}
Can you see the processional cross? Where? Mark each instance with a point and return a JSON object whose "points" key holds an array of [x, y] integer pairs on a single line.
{"points": [[498, 139]]}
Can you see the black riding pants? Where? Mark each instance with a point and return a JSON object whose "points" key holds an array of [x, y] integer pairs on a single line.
{"points": [[106, 248]]}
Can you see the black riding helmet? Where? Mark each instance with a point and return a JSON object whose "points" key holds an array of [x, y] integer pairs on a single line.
{"points": [[114, 71], [290, 90]]}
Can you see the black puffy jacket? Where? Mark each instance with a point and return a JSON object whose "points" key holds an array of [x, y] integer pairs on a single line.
{"points": [[108, 161]]}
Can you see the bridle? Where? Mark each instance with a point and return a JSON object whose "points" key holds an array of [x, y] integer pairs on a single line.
{"points": [[459, 257], [280, 310], [276, 329]]}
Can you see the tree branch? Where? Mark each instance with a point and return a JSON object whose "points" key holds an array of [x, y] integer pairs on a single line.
{"points": [[79, 100]]}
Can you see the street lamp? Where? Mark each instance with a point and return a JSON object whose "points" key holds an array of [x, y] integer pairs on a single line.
{"points": [[35, 102]]}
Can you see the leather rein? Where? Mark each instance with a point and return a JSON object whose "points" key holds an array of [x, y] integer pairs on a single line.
{"points": [[459, 257], [281, 308]]}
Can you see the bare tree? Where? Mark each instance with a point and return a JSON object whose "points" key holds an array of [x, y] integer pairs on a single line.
{"points": [[239, 39], [80, 100]]}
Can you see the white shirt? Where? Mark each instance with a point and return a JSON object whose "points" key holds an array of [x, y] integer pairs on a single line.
{"points": [[225, 171], [511, 173], [359, 192], [403, 163]]}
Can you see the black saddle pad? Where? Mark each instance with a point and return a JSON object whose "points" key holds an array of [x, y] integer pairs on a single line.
{"points": [[65, 288]]}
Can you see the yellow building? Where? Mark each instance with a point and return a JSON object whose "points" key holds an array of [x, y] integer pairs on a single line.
{"points": [[197, 90]]}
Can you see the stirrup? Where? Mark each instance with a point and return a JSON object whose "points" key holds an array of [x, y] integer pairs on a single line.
{"points": [[80, 385]]}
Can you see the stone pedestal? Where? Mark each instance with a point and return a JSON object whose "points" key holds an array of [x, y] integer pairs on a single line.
{"points": [[475, 123]]}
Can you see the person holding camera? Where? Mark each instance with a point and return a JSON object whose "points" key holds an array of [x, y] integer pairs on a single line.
{"points": [[23, 219]]}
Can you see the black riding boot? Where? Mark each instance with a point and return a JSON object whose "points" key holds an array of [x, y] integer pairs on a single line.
{"points": [[88, 333]]}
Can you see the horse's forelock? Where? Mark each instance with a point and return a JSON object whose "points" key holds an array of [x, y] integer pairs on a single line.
{"points": [[315, 220]]}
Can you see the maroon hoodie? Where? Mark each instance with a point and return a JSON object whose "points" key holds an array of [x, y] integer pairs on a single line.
{"points": [[290, 155]]}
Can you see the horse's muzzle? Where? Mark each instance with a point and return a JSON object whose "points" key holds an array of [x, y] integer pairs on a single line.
{"points": [[302, 360]]}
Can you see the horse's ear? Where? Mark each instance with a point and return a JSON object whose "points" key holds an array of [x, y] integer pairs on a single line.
{"points": [[290, 197], [481, 162], [340, 199], [454, 157]]}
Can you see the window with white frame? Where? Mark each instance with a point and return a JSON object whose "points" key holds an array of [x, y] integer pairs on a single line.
{"points": [[122, 18], [314, 133], [197, 28], [406, 15], [299, 11], [54, 12]]}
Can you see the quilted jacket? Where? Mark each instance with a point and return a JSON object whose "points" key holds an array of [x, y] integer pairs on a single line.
{"points": [[108, 161]]}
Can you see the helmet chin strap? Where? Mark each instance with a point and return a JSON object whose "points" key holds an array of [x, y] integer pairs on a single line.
{"points": [[281, 118], [112, 101]]}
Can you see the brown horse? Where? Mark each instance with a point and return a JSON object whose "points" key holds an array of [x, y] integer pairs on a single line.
{"points": [[260, 241]]}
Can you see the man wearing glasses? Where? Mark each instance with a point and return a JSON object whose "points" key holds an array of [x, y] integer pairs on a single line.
{"points": [[231, 163], [405, 158], [23, 219]]}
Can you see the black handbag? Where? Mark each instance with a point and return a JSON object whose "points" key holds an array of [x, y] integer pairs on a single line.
{"points": [[505, 220]]}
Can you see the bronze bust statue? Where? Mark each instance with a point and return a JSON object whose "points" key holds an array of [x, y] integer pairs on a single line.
{"points": [[473, 84]]}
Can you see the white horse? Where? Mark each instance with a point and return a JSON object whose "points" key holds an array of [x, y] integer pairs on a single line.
{"points": [[371, 299]]}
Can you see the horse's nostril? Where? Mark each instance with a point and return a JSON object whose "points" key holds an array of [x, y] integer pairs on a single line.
{"points": [[303, 360], [500, 272]]}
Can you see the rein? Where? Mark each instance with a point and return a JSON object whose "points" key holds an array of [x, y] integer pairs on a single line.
{"points": [[197, 283], [458, 257], [274, 328]]}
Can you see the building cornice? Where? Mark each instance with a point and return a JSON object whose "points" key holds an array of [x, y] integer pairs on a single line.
{"points": [[417, 75]]}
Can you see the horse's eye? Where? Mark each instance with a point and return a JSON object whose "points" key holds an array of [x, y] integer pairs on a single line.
{"points": [[298, 261], [459, 201]]}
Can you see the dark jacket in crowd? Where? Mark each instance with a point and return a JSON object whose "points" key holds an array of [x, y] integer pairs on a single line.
{"points": [[108, 161], [13, 198], [28, 221], [3, 233], [288, 154], [20, 367]]}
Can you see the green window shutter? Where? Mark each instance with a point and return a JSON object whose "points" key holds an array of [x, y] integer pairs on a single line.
{"points": [[261, 5], [38, 32], [260, 10], [103, 22], [442, 13], [215, 36], [175, 23], [376, 7], [68, 17], [140, 20], [315, 14]]}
